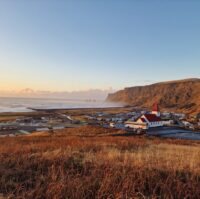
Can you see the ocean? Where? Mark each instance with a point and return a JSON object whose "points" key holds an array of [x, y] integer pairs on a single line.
{"points": [[8, 104]]}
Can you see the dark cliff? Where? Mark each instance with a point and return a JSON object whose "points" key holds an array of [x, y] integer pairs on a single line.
{"points": [[181, 95]]}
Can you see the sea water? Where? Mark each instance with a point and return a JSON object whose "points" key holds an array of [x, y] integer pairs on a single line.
{"points": [[8, 104]]}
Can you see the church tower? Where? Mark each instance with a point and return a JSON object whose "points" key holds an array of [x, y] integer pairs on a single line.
{"points": [[156, 110]]}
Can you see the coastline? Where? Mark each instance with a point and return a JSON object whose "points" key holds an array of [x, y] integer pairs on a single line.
{"points": [[25, 105]]}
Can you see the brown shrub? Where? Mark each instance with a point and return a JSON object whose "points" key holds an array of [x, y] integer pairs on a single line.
{"points": [[67, 166]]}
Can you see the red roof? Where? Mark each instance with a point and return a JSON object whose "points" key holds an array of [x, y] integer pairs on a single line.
{"points": [[152, 118], [143, 119]]}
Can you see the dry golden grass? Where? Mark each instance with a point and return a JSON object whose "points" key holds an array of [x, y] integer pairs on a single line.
{"points": [[71, 164], [7, 118]]}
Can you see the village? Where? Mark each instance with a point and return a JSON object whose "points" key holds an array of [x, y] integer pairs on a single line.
{"points": [[133, 122]]}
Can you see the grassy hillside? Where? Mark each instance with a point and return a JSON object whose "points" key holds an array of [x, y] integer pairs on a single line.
{"points": [[182, 95], [89, 162]]}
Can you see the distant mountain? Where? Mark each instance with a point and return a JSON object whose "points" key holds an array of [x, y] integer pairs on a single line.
{"points": [[180, 95], [91, 94], [27, 91]]}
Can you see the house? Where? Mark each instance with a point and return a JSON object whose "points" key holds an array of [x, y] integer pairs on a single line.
{"points": [[112, 124], [152, 120], [147, 120], [167, 122], [180, 116], [136, 125]]}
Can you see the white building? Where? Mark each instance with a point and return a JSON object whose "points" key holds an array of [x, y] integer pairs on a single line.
{"points": [[168, 122], [136, 125], [145, 121]]}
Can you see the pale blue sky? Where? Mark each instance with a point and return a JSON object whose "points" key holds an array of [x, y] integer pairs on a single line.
{"points": [[78, 45]]}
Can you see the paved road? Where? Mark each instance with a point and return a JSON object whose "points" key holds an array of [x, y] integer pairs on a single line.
{"points": [[175, 133]]}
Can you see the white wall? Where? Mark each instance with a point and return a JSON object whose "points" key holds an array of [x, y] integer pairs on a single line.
{"points": [[155, 124], [136, 125]]}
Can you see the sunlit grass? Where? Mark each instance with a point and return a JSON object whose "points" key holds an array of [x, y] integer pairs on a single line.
{"points": [[66, 166]]}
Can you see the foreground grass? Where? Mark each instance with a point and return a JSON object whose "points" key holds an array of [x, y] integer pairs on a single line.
{"points": [[71, 164]]}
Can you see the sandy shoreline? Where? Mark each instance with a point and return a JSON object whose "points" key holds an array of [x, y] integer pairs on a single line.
{"points": [[70, 111]]}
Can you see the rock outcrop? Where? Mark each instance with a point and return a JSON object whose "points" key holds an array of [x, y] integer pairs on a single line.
{"points": [[180, 95]]}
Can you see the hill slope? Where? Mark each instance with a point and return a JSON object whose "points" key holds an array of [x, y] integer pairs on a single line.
{"points": [[180, 95], [90, 162]]}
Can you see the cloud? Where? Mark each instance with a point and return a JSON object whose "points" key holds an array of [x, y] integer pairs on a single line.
{"points": [[91, 94]]}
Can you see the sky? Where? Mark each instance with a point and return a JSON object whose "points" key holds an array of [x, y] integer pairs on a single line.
{"points": [[97, 44]]}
